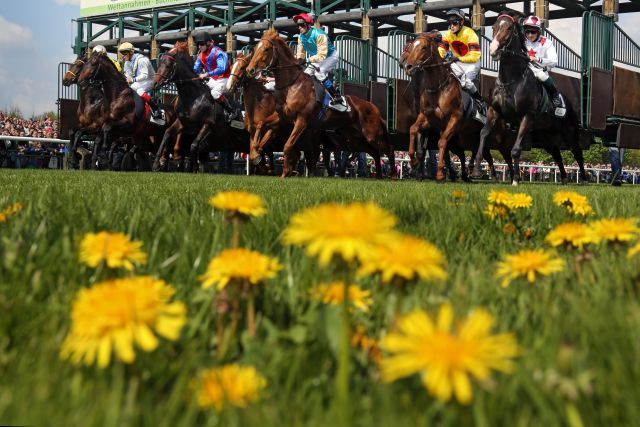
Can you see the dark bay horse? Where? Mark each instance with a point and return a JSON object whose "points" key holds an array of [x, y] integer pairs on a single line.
{"points": [[197, 112], [363, 126], [121, 119], [92, 109], [440, 106], [519, 99]]}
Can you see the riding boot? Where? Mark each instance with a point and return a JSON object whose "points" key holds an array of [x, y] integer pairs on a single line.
{"points": [[551, 88], [336, 97], [155, 110], [475, 94]]}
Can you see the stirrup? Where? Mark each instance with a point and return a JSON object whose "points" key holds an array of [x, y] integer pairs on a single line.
{"points": [[339, 103], [561, 109], [159, 118]]}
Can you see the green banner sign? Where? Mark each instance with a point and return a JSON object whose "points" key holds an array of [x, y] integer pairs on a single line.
{"points": [[103, 7]]}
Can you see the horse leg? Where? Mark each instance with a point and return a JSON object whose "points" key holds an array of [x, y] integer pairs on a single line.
{"points": [[578, 155], [463, 166], [492, 117], [298, 128], [196, 147], [516, 150], [391, 155], [557, 157], [421, 152], [420, 124], [445, 136], [489, 158]]}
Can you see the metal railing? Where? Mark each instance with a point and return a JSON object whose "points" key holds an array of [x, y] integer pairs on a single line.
{"points": [[66, 92], [486, 61], [353, 60], [625, 50], [597, 41], [397, 39], [568, 59]]}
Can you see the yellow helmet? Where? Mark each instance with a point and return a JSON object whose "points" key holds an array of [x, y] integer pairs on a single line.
{"points": [[125, 47]]}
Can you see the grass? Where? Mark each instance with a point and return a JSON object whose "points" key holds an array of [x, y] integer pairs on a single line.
{"points": [[581, 338]]}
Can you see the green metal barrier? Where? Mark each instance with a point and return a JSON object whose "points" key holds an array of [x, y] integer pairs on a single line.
{"points": [[625, 50], [397, 39], [568, 59], [486, 61], [354, 60], [597, 41]]}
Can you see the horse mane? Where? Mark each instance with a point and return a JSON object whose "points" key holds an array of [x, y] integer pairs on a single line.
{"points": [[272, 35], [110, 66]]}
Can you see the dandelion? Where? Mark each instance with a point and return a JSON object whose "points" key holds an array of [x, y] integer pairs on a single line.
{"points": [[239, 204], [342, 231], [239, 265], [115, 249], [118, 314], [233, 385], [10, 211], [499, 198], [496, 211], [509, 228], [405, 258], [458, 195], [528, 264], [575, 203], [634, 250], [446, 358], [334, 293], [520, 201], [367, 344], [573, 234], [615, 229]]}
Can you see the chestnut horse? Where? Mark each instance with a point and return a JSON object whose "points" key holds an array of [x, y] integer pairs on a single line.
{"points": [[519, 99], [362, 125], [121, 119], [198, 113], [440, 106], [263, 121]]}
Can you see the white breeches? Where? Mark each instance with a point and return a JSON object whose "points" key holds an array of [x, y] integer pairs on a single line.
{"points": [[323, 68], [466, 73], [218, 87], [540, 73], [270, 86], [142, 87]]}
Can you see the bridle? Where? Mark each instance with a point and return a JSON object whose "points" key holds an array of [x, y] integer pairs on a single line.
{"points": [[271, 67], [424, 65], [171, 77], [513, 32], [76, 62], [93, 79]]}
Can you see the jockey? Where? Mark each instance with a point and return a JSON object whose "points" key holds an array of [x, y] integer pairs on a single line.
{"points": [[212, 64], [543, 57], [461, 47], [99, 49], [139, 74], [322, 55]]}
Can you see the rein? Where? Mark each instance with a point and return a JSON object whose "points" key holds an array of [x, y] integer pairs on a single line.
{"points": [[171, 77], [270, 68], [510, 52]]}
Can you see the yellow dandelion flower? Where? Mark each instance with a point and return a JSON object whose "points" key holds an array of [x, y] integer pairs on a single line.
{"points": [[446, 358], [114, 249], [528, 264], [239, 265], [344, 231], [367, 344], [15, 208], [333, 293], [3, 217], [405, 257], [520, 201], [458, 194], [616, 229], [573, 234], [10, 211], [634, 250], [233, 385], [499, 198], [239, 203], [496, 211], [118, 314], [575, 203]]}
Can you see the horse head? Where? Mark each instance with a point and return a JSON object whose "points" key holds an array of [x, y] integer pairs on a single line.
{"points": [[238, 71], [421, 51], [265, 54], [506, 30], [71, 76], [98, 69]]}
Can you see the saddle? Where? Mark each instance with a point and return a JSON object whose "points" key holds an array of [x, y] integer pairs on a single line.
{"points": [[143, 111], [324, 98]]}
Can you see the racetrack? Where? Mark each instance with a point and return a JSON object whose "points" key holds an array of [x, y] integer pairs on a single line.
{"points": [[578, 330]]}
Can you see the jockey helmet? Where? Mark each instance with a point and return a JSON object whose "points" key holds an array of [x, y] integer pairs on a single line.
{"points": [[99, 49], [455, 13], [303, 18], [125, 47], [201, 37], [533, 23]]}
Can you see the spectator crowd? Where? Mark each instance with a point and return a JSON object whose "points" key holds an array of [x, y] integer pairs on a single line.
{"points": [[29, 154]]}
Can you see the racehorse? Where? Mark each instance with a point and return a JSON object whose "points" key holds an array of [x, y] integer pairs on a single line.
{"points": [[439, 98], [122, 118], [520, 100], [92, 110], [363, 125], [263, 121], [198, 113]]}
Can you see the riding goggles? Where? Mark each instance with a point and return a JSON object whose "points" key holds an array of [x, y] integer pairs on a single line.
{"points": [[454, 22], [532, 31]]}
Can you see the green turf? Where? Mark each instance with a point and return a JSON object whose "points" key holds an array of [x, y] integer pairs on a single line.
{"points": [[574, 332]]}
